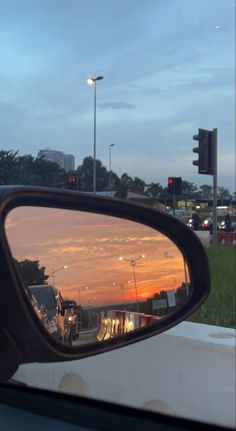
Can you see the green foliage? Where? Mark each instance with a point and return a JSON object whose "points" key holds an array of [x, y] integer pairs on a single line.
{"points": [[206, 191], [31, 273], [27, 170], [154, 190], [223, 193], [220, 307], [85, 174], [123, 186], [189, 189]]}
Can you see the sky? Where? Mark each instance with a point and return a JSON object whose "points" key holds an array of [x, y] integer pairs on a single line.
{"points": [[91, 245], [168, 67]]}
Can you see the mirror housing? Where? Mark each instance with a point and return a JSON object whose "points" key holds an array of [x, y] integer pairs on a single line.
{"points": [[34, 344]]}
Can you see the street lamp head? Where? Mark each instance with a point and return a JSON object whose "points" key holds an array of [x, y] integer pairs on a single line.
{"points": [[65, 266], [90, 81], [111, 145], [143, 256], [121, 258]]}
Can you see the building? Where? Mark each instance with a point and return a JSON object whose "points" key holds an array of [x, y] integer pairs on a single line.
{"points": [[65, 161], [69, 162]]}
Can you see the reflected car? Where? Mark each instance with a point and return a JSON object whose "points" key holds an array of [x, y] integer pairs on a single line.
{"points": [[50, 299]]}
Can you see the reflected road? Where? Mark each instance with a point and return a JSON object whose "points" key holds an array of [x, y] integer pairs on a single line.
{"points": [[86, 336]]}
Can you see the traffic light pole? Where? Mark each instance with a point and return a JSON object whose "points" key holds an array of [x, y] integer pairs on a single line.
{"points": [[174, 199], [207, 165], [174, 204], [214, 143]]}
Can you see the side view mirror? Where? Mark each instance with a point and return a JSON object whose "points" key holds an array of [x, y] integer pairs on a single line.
{"points": [[128, 272]]}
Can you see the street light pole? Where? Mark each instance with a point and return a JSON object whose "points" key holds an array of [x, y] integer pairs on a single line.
{"points": [[81, 290], [133, 263], [94, 138], [122, 286], [56, 270], [110, 146], [93, 81]]}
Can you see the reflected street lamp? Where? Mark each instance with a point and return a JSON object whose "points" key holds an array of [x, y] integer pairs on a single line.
{"points": [[81, 290], [122, 291], [133, 263], [110, 147], [93, 81], [56, 270]]}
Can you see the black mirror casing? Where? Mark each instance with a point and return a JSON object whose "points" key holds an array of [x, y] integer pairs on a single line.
{"points": [[22, 337]]}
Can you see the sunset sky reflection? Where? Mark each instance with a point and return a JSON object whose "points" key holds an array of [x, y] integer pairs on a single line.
{"points": [[91, 244]]}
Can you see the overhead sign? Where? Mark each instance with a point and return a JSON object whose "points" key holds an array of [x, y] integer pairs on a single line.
{"points": [[159, 304], [171, 298]]}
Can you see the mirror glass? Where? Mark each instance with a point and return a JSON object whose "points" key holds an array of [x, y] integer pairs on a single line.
{"points": [[92, 277]]}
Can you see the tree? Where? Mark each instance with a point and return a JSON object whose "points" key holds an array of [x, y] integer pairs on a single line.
{"points": [[189, 189], [181, 294], [161, 295], [123, 186], [223, 194], [137, 185], [27, 170], [85, 174], [8, 167], [154, 190], [206, 192], [31, 272]]}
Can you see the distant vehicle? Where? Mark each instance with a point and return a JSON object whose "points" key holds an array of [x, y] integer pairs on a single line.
{"points": [[72, 325], [51, 300], [207, 224], [40, 312], [195, 222]]}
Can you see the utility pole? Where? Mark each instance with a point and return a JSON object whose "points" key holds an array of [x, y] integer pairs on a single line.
{"points": [[214, 155]]}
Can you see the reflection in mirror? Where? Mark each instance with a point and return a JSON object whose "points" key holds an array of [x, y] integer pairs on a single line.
{"points": [[92, 277]]}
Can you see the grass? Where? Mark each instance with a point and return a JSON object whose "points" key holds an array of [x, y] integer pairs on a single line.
{"points": [[220, 307]]}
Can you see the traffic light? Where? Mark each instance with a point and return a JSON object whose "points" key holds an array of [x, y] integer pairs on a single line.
{"points": [[178, 186], [171, 185], [72, 183], [175, 185], [205, 151]]}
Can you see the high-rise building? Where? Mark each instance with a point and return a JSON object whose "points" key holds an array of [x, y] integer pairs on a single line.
{"points": [[65, 161], [69, 162]]}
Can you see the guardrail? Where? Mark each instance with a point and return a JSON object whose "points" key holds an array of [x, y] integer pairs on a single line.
{"points": [[226, 238], [116, 322], [223, 238]]}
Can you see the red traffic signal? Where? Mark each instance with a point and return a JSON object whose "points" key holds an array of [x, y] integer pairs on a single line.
{"points": [[72, 180], [72, 183], [175, 185]]}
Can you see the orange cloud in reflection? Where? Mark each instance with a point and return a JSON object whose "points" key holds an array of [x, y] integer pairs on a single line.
{"points": [[91, 244]]}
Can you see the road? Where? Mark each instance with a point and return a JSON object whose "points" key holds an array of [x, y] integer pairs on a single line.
{"points": [[87, 336]]}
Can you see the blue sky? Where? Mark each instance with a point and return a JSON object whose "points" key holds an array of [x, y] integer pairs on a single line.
{"points": [[168, 68]]}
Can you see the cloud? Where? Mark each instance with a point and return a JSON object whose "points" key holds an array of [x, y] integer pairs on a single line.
{"points": [[116, 105]]}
